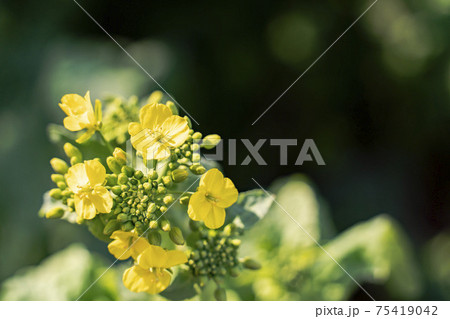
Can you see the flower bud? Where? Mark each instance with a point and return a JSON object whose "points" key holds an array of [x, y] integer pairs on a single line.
{"points": [[168, 199], [179, 175], [113, 165], [165, 225], [138, 174], [154, 238], [73, 151], [153, 224], [188, 121], [120, 156], [197, 169], [196, 157], [122, 217], [167, 181], [127, 170], [122, 179], [61, 185], [111, 226], [251, 264], [172, 107], [55, 193], [59, 166], [234, 272], [111, 179], [210, 141], [140, 227], [185, 200], [155, 97], [220, 294], [128, 226], [153, 175], [176, 236], [117, 190], [57, 178], [75, 160], [56, 212], [197, 136]]}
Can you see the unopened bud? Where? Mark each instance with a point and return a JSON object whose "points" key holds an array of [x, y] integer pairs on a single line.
{"points": [[57, 178], [153, 224], [59, 166], [165, 225], [251, 264], [197, 135], [111, 179], [167, 181], [172, 107], [113, 165], [168, 199], [188, 121], [117, 190], [210, 141], [111, 226], [153, 175], [122, 179], [75, 160], [138, 174], [122, 217], [234, 272], [220, 294], [179, 175], [140, 227], [155, 97], [61, 185], [55, 193], [197, 169], [120, 156], [176, 236], [128, 226], [127, 170], [154, 238], [56, 212], [72, 151]]}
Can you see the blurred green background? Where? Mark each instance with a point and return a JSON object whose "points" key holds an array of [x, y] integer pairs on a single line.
{"points": [[377, 104]]}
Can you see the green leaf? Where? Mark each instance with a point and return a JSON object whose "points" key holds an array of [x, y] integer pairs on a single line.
{"points": [[250, 207], [181, 288]]}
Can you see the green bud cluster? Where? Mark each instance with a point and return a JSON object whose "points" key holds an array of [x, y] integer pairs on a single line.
{"points": [[214, 255], [61, 192], [188, 154]]}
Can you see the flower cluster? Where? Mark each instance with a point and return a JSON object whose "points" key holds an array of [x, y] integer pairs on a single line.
{"points": [[128, 205]]}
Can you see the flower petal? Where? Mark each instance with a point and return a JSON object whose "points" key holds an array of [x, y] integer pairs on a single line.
{"points": [[175, 257], [72, 123], [76, 177], [84, 207], [119, 246], [138, 279], [228, 195], [95, 171], [215, 218], [160, 283], [134, 128], [199, 206], [213, 181], [152, 257], [102, 199], [175, 130], [73, 104], [153, 116]]}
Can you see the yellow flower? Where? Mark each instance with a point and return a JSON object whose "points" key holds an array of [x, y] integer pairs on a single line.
{"points": [[127, 244], [80, 114], [85, 180], [150, 274], [214, 194], [158, 131]]}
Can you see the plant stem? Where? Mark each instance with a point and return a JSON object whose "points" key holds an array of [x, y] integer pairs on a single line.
{"points": [[108, 145]]}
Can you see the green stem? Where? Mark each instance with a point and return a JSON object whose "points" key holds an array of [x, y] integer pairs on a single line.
{"points": [[108, 145]]}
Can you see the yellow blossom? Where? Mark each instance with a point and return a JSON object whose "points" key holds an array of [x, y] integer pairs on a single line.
{"points": [[214, 194], [80, 114], [85, 180], [150, 273], [127, 244], [158, 131]]}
